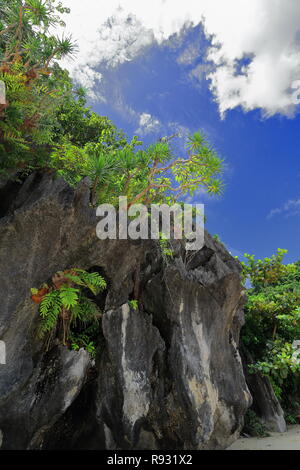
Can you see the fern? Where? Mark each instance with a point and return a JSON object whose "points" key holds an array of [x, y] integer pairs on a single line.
{"points": [[93, 281], [68, 296], [50, 309], [85, 310], [65, 300]]}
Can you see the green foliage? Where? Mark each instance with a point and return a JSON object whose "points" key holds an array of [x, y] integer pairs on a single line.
{"points": [[165, 247], [50, 310], [290, 419], [87, 339], [279, 362], [253, 425], [217, 238], [34, 85], [65, 308], [273, 321], [149, 175], [267, 271], [83, 142], [82, 126], [92, 281], [68, 296], [133, 304], [43, 115], [45, 123]]}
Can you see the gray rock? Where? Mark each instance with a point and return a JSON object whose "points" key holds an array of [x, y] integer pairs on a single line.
{"points": [[265, 403], [169, 373], [54, 384]]}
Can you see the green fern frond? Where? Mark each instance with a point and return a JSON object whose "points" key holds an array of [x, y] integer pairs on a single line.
{"points": [[50, 309], [93, 281], [86, 310], [71, 305], [68, 296]]}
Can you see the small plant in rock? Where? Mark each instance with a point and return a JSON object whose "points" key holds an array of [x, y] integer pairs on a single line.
{"points": [[165, 247], [134, 304], [217, 238], [65, 307], [86, 339]]}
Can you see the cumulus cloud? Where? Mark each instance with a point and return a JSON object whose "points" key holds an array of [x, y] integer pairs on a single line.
{"points": [[265, 33], [255, 46], [120, 39], [89, 79], [148, 124], [290, 208]]}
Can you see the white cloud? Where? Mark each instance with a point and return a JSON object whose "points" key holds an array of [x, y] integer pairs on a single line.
{"points": [[148, 124], [89, 79], [106, 33], [290, 208], [189, 55], [264, 31], [200, 72], [181, 131]]}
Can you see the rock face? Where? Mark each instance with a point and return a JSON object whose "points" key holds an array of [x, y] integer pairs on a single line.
{"points": [[169, 374], [265, 403]]}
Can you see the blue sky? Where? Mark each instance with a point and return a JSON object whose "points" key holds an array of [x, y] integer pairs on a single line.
{"points": [[165, 86]]}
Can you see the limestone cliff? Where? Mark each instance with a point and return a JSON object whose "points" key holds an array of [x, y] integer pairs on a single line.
{"points": [[169, 375]]}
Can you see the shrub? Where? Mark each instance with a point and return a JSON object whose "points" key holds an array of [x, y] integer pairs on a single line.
{"points": [[253, 425], [272, 317]]}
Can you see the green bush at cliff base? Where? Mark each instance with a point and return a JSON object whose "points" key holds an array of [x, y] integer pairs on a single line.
{"points": [[273, 323], [253, 425]]}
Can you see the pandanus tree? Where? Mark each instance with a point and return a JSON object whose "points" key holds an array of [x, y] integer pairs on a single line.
{"points": [[155, 175], [103, 166]]}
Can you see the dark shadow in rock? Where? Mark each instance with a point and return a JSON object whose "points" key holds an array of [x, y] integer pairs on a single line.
{"points": [[77, 428], [8, 193]]}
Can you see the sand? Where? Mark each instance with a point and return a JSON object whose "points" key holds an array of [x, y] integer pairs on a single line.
{"points": [[289, 440]]}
